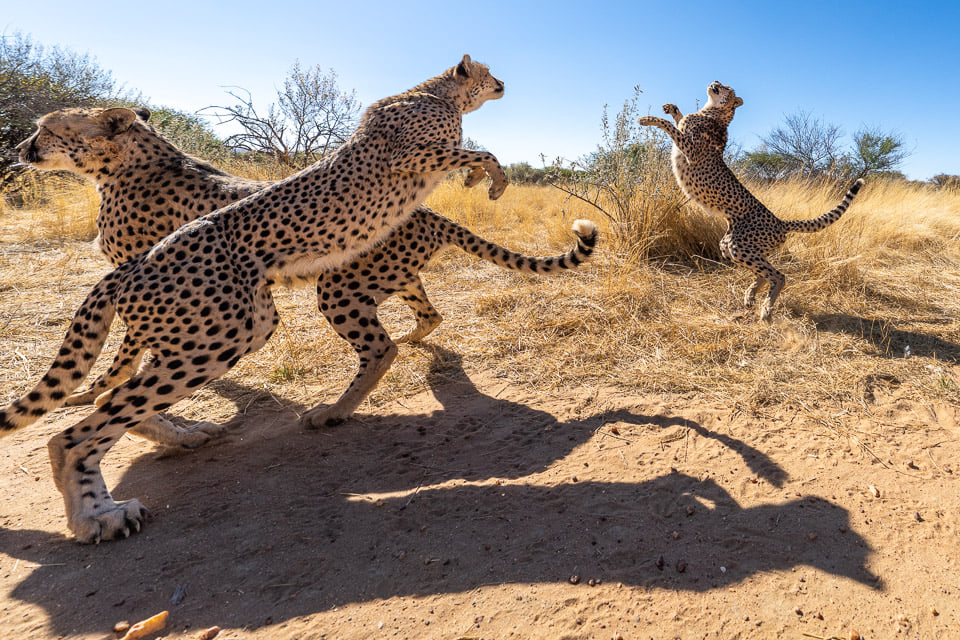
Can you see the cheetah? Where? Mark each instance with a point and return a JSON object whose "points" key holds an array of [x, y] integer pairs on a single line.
{"points": [[753, 230], [148, 187], [201, 298]]}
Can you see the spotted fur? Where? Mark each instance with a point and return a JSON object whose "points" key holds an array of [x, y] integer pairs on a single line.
{"points": [[753, 231], [177, 188], [202, 297]]}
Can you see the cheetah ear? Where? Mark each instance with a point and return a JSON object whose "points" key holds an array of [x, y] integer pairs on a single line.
{"points": [[143, 113], [737, 102], [117, 120], [462, 72]]}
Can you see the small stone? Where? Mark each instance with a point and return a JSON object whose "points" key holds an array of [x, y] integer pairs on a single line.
{"points": [[819, 616], [574, 579], [798, 611], [660, 563], [212, 632], [911, 465], [854, 635], [917, 516], [121, 626], [676, 535], [690, 511], [681, 566], [592, 582], [811, 537], [934, 612], [874, 491], [843, 529]]}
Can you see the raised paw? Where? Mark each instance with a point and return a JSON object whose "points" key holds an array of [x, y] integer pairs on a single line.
{"points": [[118, 520], [497, 188], [424, 327], [474, 177]]}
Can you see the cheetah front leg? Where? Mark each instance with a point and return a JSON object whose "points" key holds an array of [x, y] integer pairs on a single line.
{"points": [[437, 157], [673, 111], [692, 150], [357, 323], [428, 318]]}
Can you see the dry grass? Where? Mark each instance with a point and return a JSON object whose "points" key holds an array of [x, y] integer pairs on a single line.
{"points": [[858, 294]]}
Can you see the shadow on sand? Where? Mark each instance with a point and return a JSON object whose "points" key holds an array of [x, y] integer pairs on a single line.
{"points": [[274, 522]]}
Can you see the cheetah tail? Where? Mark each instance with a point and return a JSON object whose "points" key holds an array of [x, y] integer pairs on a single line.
{"points": [[585, 230], [81, 346], [824, 221]]}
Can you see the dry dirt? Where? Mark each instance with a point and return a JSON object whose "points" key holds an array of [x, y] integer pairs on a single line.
{"points": [[479, 509]]}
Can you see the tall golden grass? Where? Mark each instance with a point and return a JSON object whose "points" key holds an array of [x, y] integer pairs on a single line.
{"points": [[881, 280]]}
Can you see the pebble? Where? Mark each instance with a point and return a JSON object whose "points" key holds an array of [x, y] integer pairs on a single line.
{"points": [[574, 579], [211, 633], [874, 491], [934, 612], [917, 516], [681, 566], [854, 635], [121, 626]]}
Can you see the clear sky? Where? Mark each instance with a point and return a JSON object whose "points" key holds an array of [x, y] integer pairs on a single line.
{"points": [[895, 65]]}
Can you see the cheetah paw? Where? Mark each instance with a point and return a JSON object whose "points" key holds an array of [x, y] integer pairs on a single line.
{"points": [[497, 189], [119, 521], [474, 177], [320, 417]]}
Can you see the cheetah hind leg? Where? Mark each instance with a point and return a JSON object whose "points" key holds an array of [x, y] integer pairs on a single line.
{"points": [[159, 429], [75, 454], [376, 352], [428, 318], [125, 364]]}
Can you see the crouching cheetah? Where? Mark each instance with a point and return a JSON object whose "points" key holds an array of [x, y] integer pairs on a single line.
{"points": [[753, 231], [149, 187], [202, 297]]}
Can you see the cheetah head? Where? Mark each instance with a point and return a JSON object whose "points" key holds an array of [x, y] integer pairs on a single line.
{"points": [[720, 95], [82, 140], [475, 84]]}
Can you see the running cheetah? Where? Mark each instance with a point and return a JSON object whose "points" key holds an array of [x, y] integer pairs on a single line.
{"points": [[202, 297], [149, 187]]}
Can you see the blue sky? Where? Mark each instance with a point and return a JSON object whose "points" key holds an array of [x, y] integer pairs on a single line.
{"points": [[886, 64]]}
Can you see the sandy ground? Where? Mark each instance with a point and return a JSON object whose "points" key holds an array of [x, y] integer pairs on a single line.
{"points": [[479, 510]]}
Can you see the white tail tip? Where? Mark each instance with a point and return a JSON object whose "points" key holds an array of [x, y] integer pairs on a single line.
{"points": [[584, 227]]}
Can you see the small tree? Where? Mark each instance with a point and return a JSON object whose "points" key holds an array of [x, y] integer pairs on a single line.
{"points": [[311, 117], [805, 146], [876, 151], [946, 181], [628, 179]]}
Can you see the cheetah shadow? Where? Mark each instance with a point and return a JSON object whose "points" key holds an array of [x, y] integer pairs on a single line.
{"points": [[247, 565], [286, 523], [889, 341]]}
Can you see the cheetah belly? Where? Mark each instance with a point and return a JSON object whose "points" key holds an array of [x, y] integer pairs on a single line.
{"points": [[683, 174]]}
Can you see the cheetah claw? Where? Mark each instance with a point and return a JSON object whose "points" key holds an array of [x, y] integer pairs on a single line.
{"points": [[120, 521]]}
